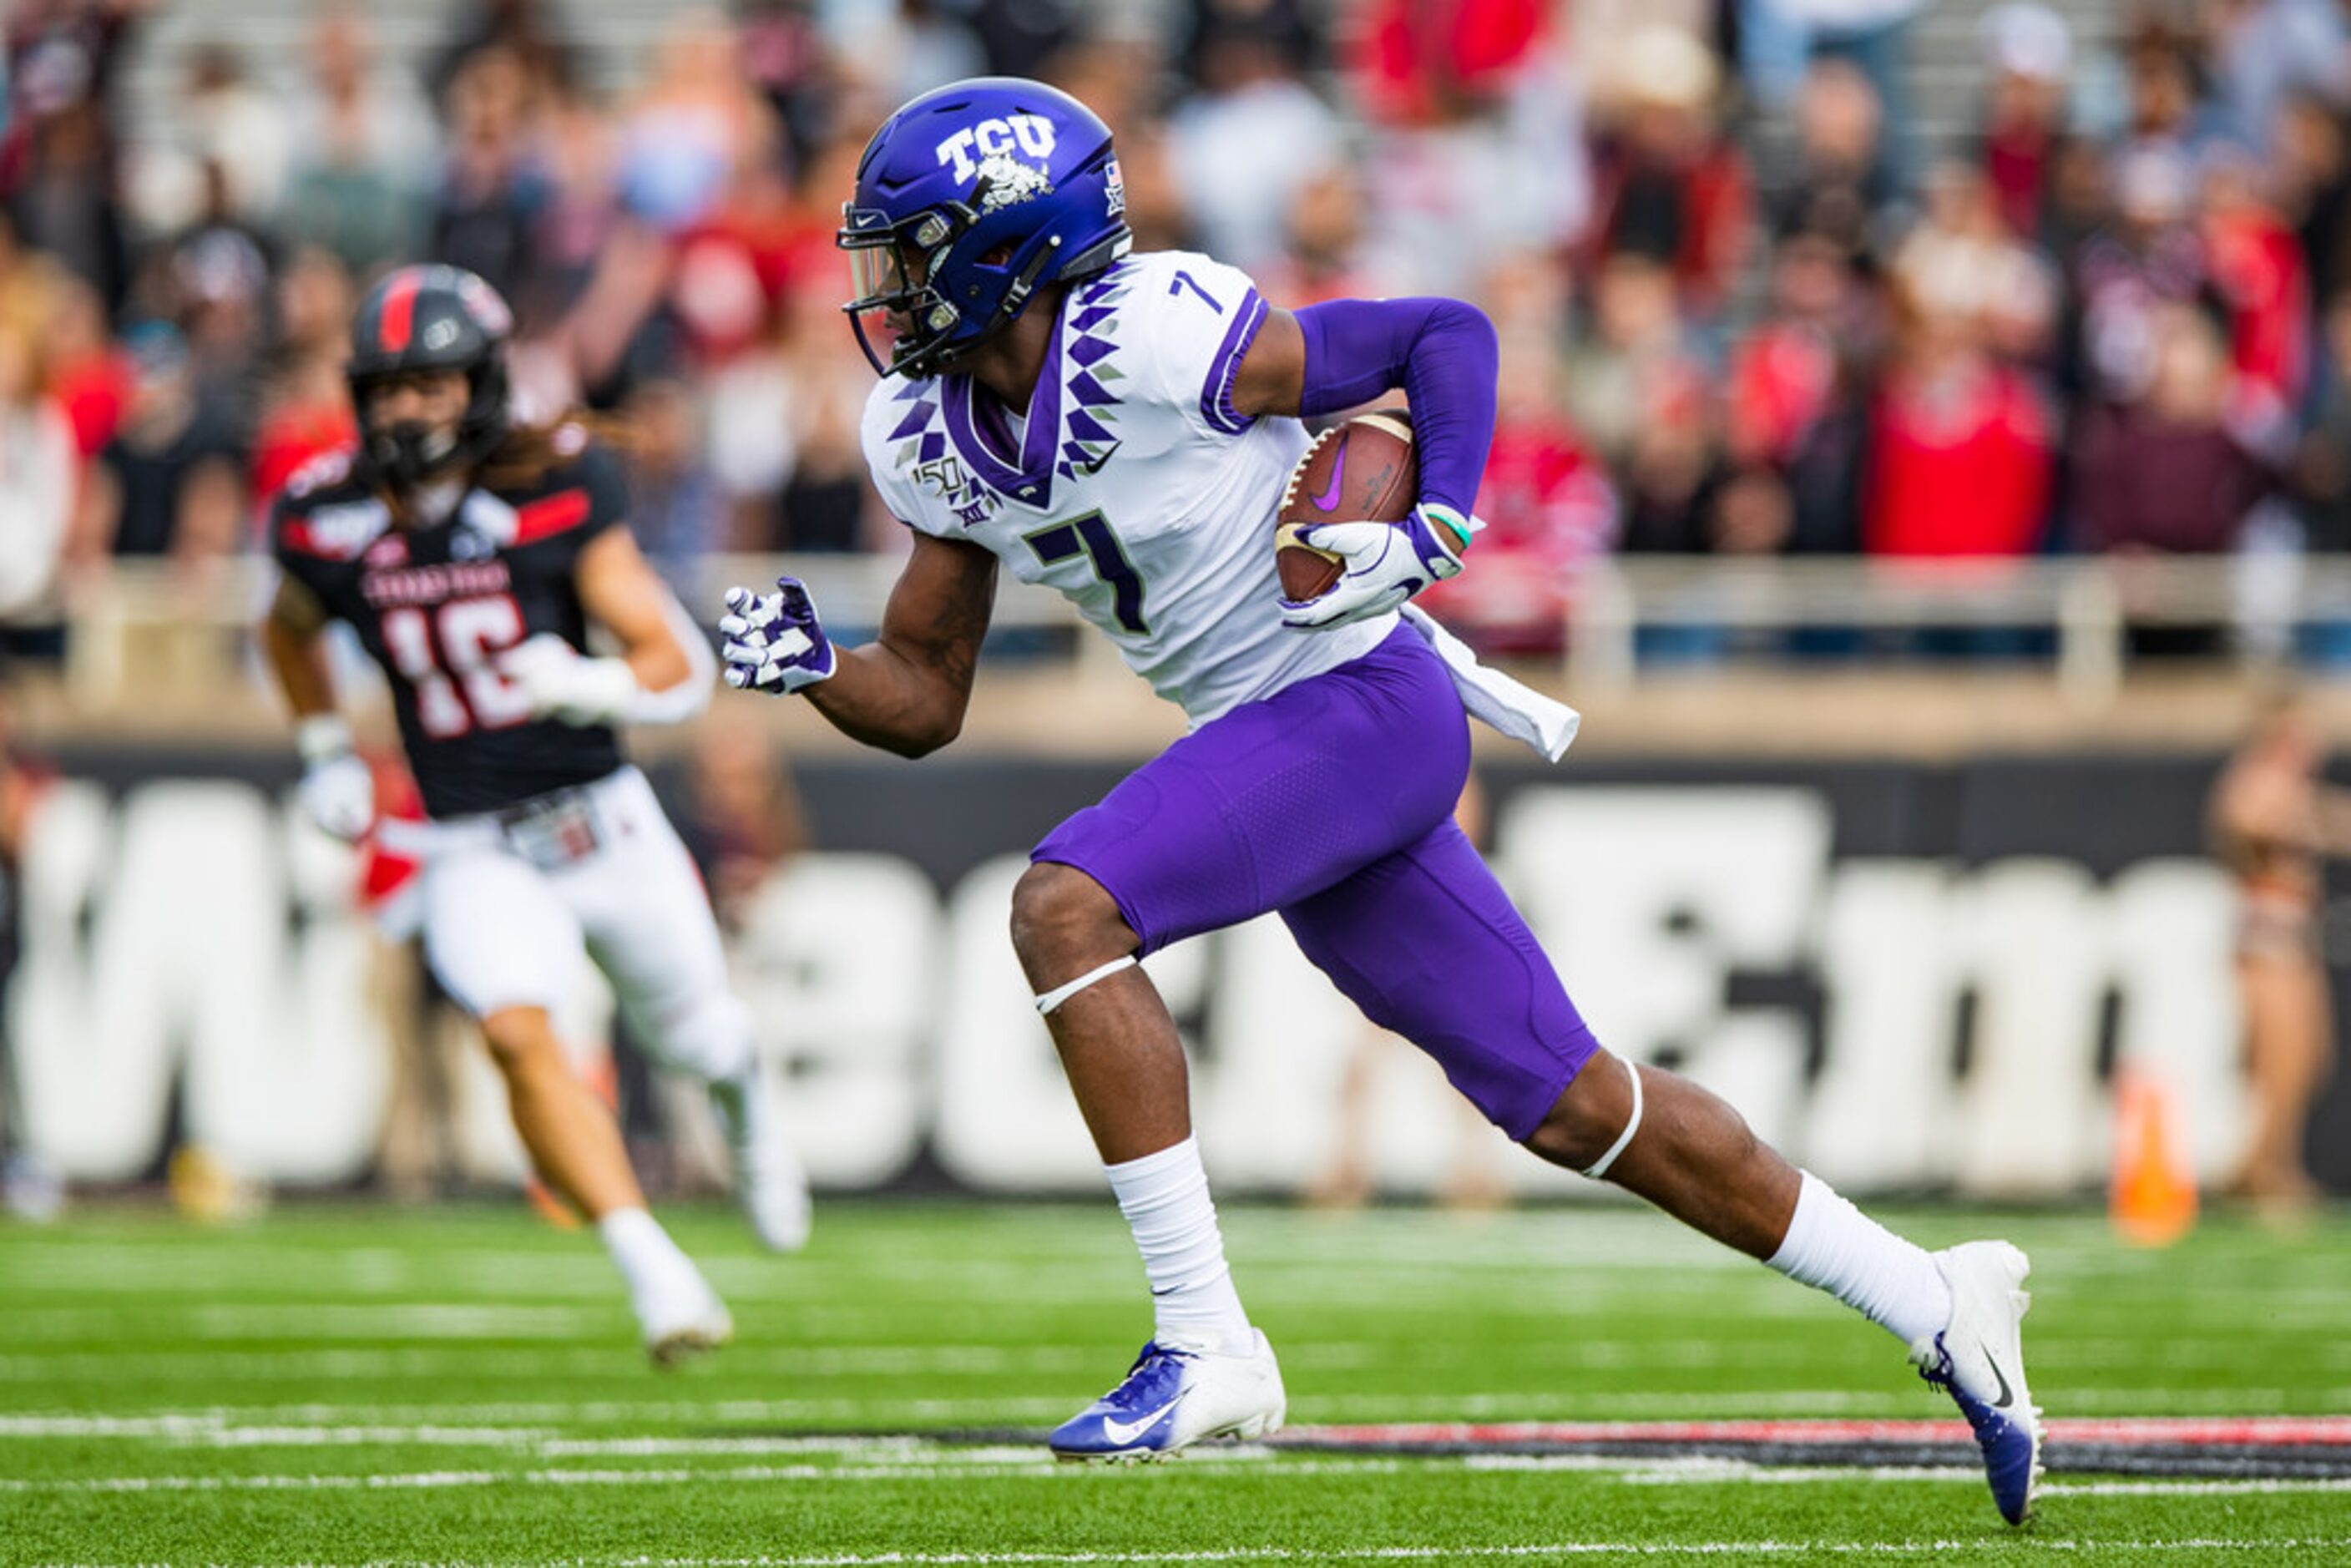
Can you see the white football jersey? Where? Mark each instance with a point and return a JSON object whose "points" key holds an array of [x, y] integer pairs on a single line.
{"points": [[1137, 490]]}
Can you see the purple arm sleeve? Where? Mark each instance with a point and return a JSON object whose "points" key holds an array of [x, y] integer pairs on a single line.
{"points": [[1443, 354]]}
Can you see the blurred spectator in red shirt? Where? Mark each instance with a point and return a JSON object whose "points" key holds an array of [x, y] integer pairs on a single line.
{"points": [[2030, 51], [306, 409], [1478, 147], [89, 375], [2257, 265], [1547, 506], [1670, 185], [172, 483], [1960, 459], [1425, 61], [1797, 409]]}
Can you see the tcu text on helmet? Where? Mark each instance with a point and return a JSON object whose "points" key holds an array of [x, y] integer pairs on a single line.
{"points": [[1031, 133]]}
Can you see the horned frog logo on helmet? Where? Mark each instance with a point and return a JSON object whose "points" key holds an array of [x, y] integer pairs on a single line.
{"points": [[1005, 182]]}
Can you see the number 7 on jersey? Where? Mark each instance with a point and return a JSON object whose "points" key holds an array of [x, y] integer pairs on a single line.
{"points": [[1090, 536]]}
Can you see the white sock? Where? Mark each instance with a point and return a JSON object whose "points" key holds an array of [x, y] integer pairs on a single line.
{"points": [[647, 1258], [1831, 1246], [1165, 1197]]}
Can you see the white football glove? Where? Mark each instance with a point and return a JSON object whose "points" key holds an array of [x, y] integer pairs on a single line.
{"points": [[562, 683], [1386, 563], [775, 643], [338, 789]]}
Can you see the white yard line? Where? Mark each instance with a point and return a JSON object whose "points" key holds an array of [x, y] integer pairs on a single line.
{"points": [[389, 1365], [1344, 1409], [1040, 1467], [900, 1460]]}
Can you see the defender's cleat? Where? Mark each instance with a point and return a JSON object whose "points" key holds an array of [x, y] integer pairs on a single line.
{"points": [[768, 1180], [1979, 1360], [682, 1318], [1177, 1394]]}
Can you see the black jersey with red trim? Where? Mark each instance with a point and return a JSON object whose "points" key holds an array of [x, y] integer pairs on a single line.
{"points": [[438, 607]]}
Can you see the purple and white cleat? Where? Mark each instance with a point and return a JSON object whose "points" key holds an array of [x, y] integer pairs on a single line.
{"points": [[1177, 1394], [1979, 1360]]}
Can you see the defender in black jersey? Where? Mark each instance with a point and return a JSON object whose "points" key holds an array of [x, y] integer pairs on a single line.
{"points": [[471, 556]]}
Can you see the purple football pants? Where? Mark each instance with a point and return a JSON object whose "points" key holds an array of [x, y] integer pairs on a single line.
{"points": [[1332, 802]]}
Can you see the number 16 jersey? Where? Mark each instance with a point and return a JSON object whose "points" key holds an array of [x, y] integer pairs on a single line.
{"points": [[438, 607], [1132, 484]]}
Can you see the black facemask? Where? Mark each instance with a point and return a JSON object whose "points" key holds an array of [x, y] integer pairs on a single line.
{"points": [[411, 452]]}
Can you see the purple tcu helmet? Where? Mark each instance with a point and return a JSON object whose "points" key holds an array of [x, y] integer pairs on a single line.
{"points": [[967, 199]]}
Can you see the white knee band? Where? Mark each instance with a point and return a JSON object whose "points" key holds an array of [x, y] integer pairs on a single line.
{"points": [[1599, 1167], [1059, 994]]}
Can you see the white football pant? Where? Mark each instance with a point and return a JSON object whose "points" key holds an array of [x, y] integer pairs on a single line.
{"points": [[502, 931]]}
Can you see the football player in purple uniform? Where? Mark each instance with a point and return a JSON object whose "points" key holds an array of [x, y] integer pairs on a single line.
{"points": [[1122, 427], [471, 554]]}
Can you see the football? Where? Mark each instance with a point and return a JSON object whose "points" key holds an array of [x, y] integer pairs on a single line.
{"points": [[1362, 470]]}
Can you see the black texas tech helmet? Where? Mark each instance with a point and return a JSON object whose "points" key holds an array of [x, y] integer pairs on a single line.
{"points": [[430, 318]]}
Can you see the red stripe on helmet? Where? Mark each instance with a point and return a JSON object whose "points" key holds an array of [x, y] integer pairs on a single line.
{"points": [[397, 324]]}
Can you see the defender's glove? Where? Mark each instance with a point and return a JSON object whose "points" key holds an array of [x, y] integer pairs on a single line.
{"points": [[562, 683], [338, 789], [775, 643], [1386, 563]]}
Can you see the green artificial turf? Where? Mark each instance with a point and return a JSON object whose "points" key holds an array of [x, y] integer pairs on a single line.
{"points": [[361, 1385]]}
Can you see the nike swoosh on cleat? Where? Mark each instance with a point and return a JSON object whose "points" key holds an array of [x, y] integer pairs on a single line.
{"points": [[1125, 1432], [1329, 497], [2006, 1396]]}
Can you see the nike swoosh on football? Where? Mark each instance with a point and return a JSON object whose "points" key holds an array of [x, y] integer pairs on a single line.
{"points": [[1329, 497], [2006, 1396], [1125, 1432]]}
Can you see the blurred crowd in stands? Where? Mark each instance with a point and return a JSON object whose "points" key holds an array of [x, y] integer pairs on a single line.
{"points": [[1753, 300]]}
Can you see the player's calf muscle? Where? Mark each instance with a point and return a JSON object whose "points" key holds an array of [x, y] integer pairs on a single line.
{"points": [[1694, 1155]]}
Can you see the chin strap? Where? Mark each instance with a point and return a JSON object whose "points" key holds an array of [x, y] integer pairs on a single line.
{"points": [[1059, 994], [1599, 1167]]}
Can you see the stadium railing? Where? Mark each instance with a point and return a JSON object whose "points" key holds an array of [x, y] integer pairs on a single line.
{"points": [[2077, 617]]}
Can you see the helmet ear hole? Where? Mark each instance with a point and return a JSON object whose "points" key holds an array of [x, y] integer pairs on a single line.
{"points": [[998, 255]]}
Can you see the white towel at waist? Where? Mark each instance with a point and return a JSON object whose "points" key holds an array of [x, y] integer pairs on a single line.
{"points": [[1516, 710]]}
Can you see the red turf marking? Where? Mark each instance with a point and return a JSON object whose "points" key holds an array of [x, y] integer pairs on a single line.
{"points": [[399, 320], [2190, 1431], [550, 515]]}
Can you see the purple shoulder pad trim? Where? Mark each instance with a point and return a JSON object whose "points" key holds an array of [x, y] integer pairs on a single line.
{"points": [[1216, 393]]}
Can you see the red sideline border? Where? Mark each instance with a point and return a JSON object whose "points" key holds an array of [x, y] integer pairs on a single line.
{"points": [[2250, 1431]]}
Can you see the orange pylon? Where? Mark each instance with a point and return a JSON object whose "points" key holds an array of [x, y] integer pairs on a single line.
{"points": [[2153, 1195]]}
